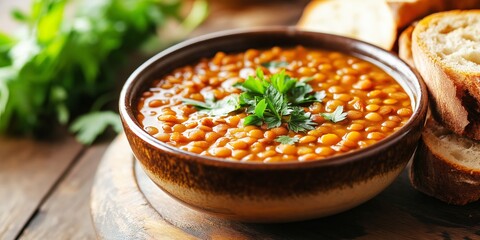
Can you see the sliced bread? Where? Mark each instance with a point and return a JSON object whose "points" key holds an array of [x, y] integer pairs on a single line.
{"points": [[373, 21], [446, 52], [447, 166], [405, 45], [348, 18]]}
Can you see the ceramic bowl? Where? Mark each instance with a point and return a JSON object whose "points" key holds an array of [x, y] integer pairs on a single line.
{"points": [[258, 192]]}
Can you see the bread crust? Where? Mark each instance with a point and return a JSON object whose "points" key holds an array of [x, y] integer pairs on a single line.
{"points": [[401, 12], [455, 94], [405, 45], [405, 12], [441, 177], [462, 4]]}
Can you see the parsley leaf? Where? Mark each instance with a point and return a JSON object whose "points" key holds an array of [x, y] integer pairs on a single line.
{"points": [[252, 120], [257, 84], [301, 94], [89, 126], [273, 122], [300, 120], [284, 139], [319, 96], [336, 116], [260, 108], [216, 108], [198, 104], [225, 106], [247, 99], [277, 103], [275, 64], [282, 82]]}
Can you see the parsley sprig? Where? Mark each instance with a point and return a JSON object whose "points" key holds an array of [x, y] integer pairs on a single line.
{"points": [[215, 108], [278, 100], [335, 116], [275, 64], [284, 139]]}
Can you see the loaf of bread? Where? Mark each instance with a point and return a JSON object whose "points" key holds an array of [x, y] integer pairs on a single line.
{"points": [[447, 166], [373, 21], [446, 52]]}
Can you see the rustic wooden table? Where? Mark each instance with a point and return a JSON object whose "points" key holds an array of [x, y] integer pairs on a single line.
{"points": [[45, 186]]}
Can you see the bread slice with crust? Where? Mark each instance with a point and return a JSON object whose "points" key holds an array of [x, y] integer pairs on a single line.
{"points": [[446, 165], [373, 21], [405, 45], [349, 18], [446, 52], [407, 11]]}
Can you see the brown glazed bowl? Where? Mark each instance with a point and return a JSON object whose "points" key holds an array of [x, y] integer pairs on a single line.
{"points": [[259, 192]]}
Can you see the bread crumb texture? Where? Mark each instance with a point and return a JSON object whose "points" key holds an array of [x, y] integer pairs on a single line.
{"points": [[448, 145], [454, 37]]}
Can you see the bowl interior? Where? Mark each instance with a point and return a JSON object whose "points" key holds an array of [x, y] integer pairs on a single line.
{"points": [[206, 46]]}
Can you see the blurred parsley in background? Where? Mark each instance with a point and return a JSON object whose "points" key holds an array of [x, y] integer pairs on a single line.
{"points": [[61, 69]]}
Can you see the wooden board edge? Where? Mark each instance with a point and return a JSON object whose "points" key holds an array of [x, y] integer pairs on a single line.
{"points": [[115, 190]]}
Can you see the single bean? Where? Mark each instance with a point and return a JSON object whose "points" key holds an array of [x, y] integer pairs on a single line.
{"points": [[221, 152]]}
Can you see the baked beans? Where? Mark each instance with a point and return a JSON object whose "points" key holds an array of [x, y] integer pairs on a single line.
{"points": [[374, 103]]}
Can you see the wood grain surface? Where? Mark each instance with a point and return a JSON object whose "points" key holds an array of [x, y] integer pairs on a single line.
{"points": [[141, 210], [28, 170], [67, 209], [115, 193]]}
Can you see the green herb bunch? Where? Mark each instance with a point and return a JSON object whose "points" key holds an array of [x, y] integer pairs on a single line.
{"points": [[61, 70]]}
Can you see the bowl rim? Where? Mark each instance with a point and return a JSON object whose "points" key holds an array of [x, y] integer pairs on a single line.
{"points": [[419, 113]]}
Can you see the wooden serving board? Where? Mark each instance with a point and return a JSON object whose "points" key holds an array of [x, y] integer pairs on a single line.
{"points": [[125, 204]]}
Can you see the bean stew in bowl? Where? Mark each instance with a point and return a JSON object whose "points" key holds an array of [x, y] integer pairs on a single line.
{"points": [[273, 125], [274, 105]]}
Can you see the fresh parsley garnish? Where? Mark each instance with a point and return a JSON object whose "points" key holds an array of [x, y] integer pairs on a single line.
{"points": [[336, 116], [300, 94], [286, 140], [275, 64], [300, 121], [271, 101], [216, 108], [278, 100]]}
